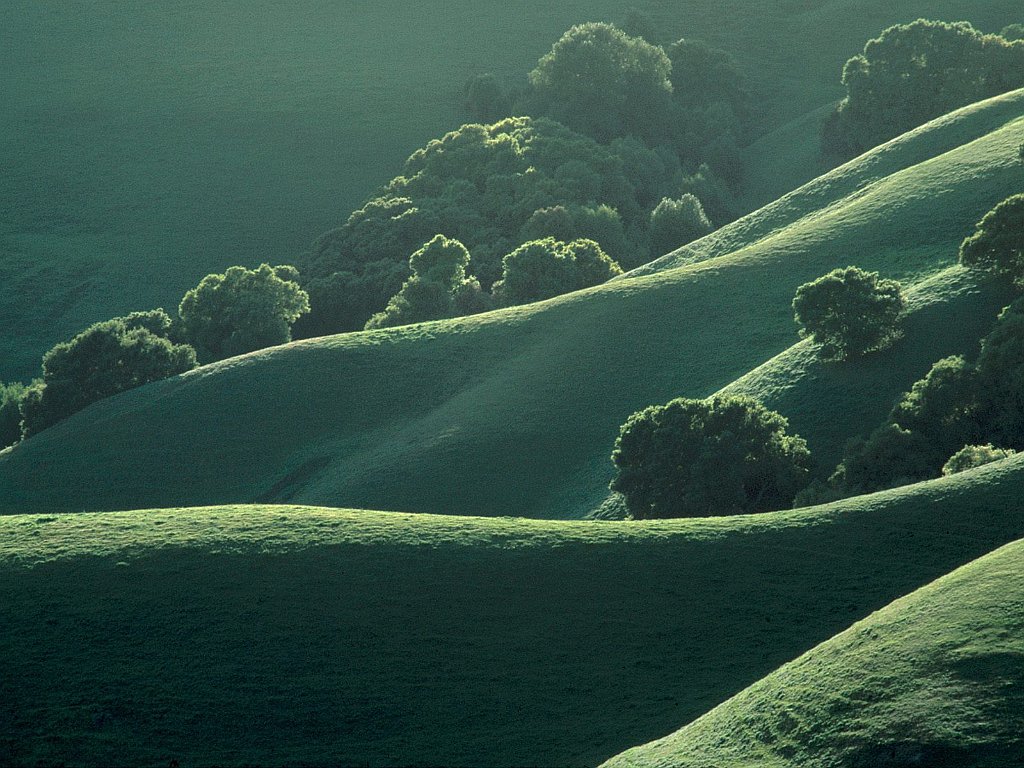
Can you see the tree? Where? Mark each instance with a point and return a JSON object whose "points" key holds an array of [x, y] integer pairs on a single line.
{"points": [[105, 359], [889, 457], [703, 75], [1000, 379], [997, 246], [241, 310], [849, 312], [438, 273], [600, 81], [916, 72], [971, 456], [11, 396], [1013, 32], [674, 223], [545, 268], [721, 456]]}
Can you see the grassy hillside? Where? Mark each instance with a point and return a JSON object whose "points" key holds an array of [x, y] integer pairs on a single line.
{"points": [[146, 145], [515, 412], [270, 635], [934, 679]]}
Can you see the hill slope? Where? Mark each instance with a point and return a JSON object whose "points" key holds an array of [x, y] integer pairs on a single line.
{"points": [[147, 145], [273, 635], [516, 411], [934, 679]]}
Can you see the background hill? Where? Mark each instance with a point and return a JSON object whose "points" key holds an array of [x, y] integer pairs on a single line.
{"points": [[270, 635], [145, 146], [515, 412], [933, 679]]}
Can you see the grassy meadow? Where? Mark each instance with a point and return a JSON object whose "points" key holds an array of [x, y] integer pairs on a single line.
{"points": [[373, 548], [269, 635], [929, 680]]}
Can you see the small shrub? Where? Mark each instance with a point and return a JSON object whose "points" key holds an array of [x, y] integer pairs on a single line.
{"points": [[971, 456], [849, 312]]}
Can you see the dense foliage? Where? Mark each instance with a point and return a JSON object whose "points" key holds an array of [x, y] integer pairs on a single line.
{"points": [[957, 404], [600, 81], [11, 396], [997, 246], [914, 73], [492, 188], [438, 287], [674, 223], [544, 268], [721, 456], [107, 358], [242, 310], [849, 312], [971, 456]]}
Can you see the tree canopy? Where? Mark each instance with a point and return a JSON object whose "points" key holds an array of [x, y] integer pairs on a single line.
{"points": [[545, 268], [438, 278], [721, 456], [849, 312], [916, 72], [602, 82], [997, 246], [492, 188], [241, 310], [674, 223], [105, 359]]}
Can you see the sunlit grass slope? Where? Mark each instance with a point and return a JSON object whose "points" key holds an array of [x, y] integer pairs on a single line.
{"points": [[935, 679], [287, 635], [515, 412], [146, 144]]}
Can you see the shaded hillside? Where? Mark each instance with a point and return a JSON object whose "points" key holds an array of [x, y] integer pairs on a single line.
{"points": [[934, 679], [147, 145], [514, 412], [273, 635]]}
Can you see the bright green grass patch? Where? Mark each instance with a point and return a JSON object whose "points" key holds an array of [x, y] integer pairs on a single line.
{"points": [[934, 679], [270, 635], [146, 145], [515, 412]]}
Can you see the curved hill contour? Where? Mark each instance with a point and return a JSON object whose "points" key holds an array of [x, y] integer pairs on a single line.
{"points": [[284, 635], [515, 412], [935, 679]]}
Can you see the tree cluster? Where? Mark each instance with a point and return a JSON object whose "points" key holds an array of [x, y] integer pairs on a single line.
{"points": [[226, 314], [694, 458], [618, 125], [492, 188], [917, 72], [957, 405]]}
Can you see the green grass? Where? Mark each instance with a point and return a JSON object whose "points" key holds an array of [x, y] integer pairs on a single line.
{"points": [[934, 679], [288, 635], [515, 412], [145, 146]]}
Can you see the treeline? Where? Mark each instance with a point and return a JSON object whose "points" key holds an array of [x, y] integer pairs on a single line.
{"points": [[227, 314], [620, 141], [731, 455]]}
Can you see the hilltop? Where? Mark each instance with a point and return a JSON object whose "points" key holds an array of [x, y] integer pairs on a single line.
{"points": [[147, 146], [301, 635], [515, 412], [933, 679]]}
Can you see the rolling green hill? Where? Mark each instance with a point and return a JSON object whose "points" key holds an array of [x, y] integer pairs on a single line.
{"points": [[514, 412], [286, 635], [146, 145], [934, 679]]}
